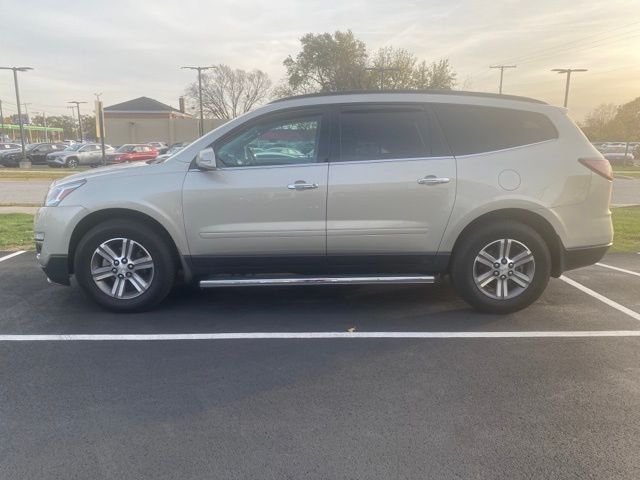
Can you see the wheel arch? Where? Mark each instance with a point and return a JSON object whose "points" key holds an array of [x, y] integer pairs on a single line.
{"points": [[536, 221], [100, 216]]}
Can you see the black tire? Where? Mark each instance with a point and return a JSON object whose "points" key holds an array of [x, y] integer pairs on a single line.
{"points": [[72, 163], [468, 248], [164, 266]]}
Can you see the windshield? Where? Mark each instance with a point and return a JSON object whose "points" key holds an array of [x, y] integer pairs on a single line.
{"points": [[30, 146], [125, 149]]}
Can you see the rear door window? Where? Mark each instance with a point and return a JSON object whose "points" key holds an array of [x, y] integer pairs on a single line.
{"points": [[383, 133], [471, 129]]}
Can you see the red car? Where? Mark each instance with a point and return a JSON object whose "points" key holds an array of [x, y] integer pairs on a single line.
{"points": [[132, 152]]}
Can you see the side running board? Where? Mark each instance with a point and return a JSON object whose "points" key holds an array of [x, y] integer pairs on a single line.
{"points": [[260, 281]]}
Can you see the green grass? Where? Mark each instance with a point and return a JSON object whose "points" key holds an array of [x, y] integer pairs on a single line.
{"points": [[39, 173], [626, 171], [16, 230], [620, 168], [626, 224]]}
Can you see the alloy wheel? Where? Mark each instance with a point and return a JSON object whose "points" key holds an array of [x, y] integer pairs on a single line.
{"points": [[503, 269], [122, 268]]}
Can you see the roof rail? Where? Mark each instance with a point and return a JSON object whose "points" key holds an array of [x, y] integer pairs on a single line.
{"points": [[430, 92]]}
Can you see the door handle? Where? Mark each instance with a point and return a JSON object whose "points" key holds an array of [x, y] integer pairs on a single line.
{"points": [[302, 186], [433, 180]]}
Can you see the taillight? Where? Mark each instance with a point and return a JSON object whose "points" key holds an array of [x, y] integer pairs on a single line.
{"points": [[601, 166]]}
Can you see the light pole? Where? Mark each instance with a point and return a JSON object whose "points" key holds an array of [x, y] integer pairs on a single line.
{"points": [[1, 123], [568, 71], [77, 104], [26, 117], [200, 70], [44, 124], [502, 67], [15, 81], [100, 119]]}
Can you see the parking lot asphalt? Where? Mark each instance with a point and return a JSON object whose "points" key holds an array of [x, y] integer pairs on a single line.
{"points": [[565, 407]]}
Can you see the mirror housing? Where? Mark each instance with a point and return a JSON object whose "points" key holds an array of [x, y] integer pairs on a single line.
{"points": [[206, 159]]}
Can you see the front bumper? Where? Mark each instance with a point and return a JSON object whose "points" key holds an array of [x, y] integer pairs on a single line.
{"points": [[54, 226], [57, 269]]}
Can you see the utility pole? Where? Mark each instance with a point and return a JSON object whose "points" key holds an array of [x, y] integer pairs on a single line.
{"points": [[502, 67], [200, 70], [100, 120], [77, 104], [381, 71], [568, 71], [15, 81]]}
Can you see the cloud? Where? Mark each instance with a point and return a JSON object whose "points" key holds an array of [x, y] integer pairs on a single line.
{"points": [[127, 49]]}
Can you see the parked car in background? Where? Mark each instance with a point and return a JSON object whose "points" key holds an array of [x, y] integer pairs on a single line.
{"points": [[36, 153], [619, 156], [9, 146], [161, 147], [78, 154], [175, 148], [132, 153], [500, 192]]}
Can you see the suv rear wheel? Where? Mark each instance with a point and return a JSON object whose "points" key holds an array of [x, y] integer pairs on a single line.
{"points": [[124, 266], [501, 267]]}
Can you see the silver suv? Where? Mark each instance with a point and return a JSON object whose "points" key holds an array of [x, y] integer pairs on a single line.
{"points": [[499, 192]]}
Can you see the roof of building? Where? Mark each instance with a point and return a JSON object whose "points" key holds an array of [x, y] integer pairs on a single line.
{"points": [[141, 104], [430, 92]]}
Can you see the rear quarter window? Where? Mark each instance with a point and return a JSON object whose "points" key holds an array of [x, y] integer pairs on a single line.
{"points": [[473, 129]]}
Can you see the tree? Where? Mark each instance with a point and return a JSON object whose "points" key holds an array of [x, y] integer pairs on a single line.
{"points": [[613, 123], [436, 75], [327, 63], [227, 93], [627, 121], [597, 125], [399, 64], [338, 62]]}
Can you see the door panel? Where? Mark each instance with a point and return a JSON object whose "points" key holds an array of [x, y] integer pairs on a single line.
{"points": [[379, 206], [392, 183], [252, 211]]}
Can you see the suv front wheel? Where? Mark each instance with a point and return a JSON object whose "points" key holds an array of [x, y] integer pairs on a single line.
{"points": [[501, 267], [124, 266]]}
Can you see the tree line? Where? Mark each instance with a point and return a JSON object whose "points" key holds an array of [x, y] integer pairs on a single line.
{"points": [[609, 122], [325, 63]]}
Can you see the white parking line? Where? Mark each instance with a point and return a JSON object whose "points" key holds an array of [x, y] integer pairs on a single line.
{"points": [[314, 335], [602, 298], [11, 255], [623, 270]]}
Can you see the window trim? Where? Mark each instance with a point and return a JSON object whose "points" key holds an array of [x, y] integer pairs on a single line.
{"points": [[324, 136]]}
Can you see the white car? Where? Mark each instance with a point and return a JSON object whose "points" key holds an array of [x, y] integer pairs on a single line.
{"points": [[499, 192]]}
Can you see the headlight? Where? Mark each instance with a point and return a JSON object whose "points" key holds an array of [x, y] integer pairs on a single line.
{"points": [[60, 192]]}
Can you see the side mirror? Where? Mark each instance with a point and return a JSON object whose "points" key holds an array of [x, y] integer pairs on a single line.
{"points": [[206, 159]]}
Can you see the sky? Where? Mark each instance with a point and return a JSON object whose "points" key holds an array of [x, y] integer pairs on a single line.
{"points": [[127, 49]]}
